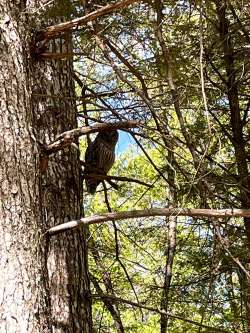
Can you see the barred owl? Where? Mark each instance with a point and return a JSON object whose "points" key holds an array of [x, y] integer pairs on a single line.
{"points": [[99, 157]]}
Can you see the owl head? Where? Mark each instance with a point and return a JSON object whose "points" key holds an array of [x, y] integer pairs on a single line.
{"points": [[110, 137]]}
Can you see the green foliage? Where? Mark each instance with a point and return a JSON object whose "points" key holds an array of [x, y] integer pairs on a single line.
{"points": [[61, 8], [190, 159]]}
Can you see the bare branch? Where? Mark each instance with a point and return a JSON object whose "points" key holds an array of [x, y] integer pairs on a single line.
{"points": [[66, 138], [56, 56], [95, 219], [57, 30]]}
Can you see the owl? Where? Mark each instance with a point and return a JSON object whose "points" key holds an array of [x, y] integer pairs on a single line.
{"points": [[99, 157]]}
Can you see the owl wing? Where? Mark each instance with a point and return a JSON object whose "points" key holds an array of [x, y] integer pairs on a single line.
{"points": [[92, 157], [92, 163], [99, 158]]}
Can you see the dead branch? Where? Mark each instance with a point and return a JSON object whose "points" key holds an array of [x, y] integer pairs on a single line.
{"points": [[55, 56], [115, 216], [56, 30], [65, 139]]}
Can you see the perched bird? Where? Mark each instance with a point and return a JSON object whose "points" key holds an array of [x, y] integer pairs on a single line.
{"points": [[99, 157]]}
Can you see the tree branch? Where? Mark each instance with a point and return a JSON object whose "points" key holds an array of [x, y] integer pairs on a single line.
{"points": [[109, 303], [95, 219], [123, 179], [65, 139], [56, 30]]}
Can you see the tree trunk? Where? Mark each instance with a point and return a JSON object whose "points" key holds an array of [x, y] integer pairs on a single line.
{"points": [[165, 297], [44, 283]]}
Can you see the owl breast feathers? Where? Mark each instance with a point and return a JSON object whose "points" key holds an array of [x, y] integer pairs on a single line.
{"points": [[99, 157]]}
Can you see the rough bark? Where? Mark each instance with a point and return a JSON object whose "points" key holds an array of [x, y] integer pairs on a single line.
{"points": [[43, 282]]}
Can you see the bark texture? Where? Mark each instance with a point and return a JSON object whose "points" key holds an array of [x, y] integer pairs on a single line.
{"points": [[44, 285]]}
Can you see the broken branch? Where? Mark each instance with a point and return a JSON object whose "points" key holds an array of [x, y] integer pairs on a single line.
{"points": [[56, 30]]}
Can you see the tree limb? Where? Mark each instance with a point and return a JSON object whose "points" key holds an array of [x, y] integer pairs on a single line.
{"points": [[95, 219], [123, 179], [65, 139], [56, 30]]}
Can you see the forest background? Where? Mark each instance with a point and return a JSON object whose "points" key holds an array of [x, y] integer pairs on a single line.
{"points": [[180, 70]]}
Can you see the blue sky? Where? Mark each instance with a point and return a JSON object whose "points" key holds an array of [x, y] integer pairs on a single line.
{"points": [[125, 140]]}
